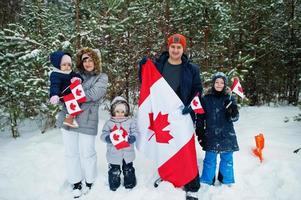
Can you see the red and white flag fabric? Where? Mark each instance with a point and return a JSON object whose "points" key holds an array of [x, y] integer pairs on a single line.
{"points": [[165, 134], [78, 91], [196, 105], [236, 88], [119, 137], [72, 104]]}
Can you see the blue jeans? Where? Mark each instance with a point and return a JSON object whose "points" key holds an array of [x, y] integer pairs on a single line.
{"points": [[226, 173]]}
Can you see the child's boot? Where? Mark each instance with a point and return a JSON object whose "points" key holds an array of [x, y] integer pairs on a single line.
{"points": [[129, 175], [191, 196], [70, 121], [114, 176]]}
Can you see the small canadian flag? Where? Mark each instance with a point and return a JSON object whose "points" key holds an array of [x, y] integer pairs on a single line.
{"points": [[236, 88], [72, 105], [196, 105], [119, 137], [78, 92]]}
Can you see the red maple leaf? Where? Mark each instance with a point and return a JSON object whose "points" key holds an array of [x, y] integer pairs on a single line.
{"points": [[124, 132], [195, 102], [72, 106], [157, 125], [116, 137], [78, 92]]}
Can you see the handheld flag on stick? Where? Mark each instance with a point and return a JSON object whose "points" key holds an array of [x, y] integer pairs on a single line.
{"points": [[73, 99], [259, 139], [236, 88], [78, 91], [119, 137], [196, 105], [72, 105]]}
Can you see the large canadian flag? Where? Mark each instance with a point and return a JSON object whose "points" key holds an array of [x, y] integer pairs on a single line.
{"points": [[165, 134], [78, 91], [236, 88]]}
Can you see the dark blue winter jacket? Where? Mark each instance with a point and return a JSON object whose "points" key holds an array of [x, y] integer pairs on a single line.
{"points": [[190, 82], [60, 81], [215, 127]]}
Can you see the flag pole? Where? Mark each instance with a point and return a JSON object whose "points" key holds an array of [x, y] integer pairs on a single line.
{"points": [[229, 104], [65, 89]]}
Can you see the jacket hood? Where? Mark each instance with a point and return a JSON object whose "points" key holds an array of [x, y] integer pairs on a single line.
{"points": [[120, 100]]}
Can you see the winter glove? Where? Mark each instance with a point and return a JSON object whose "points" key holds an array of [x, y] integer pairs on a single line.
{"points": [[75, 78], [186, 110], [108, 139], [200, 133], [231, 109], [228, 103], [142, 62], [54, 100], [131, 139]]}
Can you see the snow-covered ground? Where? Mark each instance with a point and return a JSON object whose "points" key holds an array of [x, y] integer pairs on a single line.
{"points": [[32, 167]]}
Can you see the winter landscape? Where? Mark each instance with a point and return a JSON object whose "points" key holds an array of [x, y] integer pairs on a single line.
{"points": [[256, 43], [32, 166]]}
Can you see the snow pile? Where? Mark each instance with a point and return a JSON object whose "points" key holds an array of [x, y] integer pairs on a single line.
{"points": [[32, 167]]}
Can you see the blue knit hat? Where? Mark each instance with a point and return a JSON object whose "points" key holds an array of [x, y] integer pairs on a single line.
{"points": [[220, 75], [56, 57]]}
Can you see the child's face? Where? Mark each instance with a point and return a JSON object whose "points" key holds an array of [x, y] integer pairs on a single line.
{"points": [[219, 84], [66, 67], [66, 63], [88, 64], [119, 113]]}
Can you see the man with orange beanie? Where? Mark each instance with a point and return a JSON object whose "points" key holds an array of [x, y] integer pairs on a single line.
{"points": [[184, 78]]}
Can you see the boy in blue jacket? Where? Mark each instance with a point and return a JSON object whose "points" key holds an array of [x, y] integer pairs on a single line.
{"points": [[216, 133]]}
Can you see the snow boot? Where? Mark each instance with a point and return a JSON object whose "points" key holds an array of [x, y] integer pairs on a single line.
{"points": [[77, 190], [191, 196], [114, 176], [129, 175], [70, 121], [87, 188]]}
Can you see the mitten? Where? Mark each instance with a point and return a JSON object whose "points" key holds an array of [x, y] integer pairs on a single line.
{"points": [[228, 103], [74, 79], [231, 109], [54, 100], [108, 139], [200, 133], [131, 139], [142, 61], [186, 110]]}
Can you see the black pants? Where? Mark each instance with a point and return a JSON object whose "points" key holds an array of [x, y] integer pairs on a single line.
{"points": [[193, 185]]}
